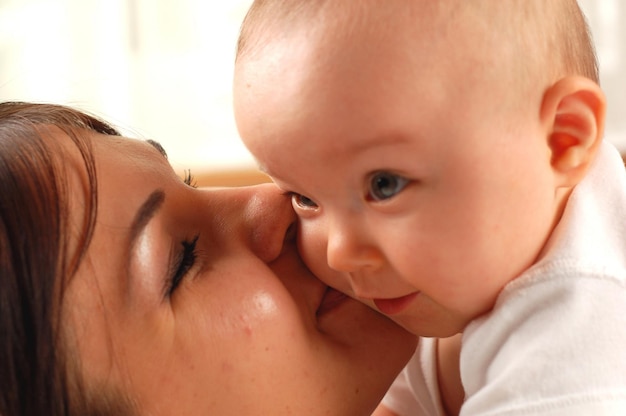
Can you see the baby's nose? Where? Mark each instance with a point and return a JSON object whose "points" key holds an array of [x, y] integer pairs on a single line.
{"points": [[271, 221], [349, 250]]}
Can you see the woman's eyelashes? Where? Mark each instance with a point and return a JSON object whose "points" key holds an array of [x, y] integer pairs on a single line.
{"points": [[185, 259], [189, 179], [385, 185]]}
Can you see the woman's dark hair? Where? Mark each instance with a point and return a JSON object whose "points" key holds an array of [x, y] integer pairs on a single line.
{"points": [[36, 376]]}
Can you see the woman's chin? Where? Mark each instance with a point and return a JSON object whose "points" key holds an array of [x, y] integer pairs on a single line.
{"points": [[371, 336], [375, 350]]}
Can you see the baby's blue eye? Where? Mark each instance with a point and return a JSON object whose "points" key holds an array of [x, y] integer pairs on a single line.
{"points": [[385, 185], [302, 201]]}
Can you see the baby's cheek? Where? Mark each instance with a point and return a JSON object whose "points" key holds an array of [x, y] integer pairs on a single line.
{"points": [[312, 245]]}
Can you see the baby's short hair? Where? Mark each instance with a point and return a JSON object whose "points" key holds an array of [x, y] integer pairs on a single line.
{"points": [[556, 32], [550, 38]]}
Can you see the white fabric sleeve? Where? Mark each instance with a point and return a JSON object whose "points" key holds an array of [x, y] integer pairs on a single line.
{"points": [[415, 391], [562, 354]]}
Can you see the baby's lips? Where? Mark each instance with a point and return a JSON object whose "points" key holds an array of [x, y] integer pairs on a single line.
{"points": [[394, 306]]}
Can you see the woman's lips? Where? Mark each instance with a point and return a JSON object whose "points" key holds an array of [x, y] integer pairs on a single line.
{"points": [[395, 305], [331, 299]]}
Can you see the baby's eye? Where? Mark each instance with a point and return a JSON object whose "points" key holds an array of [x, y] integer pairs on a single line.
{"points": [[385, 185], [302, 202]]}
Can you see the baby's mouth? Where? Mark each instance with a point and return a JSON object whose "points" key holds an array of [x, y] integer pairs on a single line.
{"points": [[331, 299], [395, 305]]}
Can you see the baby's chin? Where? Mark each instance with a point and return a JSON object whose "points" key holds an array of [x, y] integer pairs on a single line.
{"points": [[443, 326]]}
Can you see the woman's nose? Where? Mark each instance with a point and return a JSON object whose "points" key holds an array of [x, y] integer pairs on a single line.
{"points": [[270, 221]]}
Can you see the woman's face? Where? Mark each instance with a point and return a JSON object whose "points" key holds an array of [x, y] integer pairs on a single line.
{"points": [[195, 301]]}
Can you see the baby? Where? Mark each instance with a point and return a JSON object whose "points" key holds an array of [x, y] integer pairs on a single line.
{"points": [[447, 164]]}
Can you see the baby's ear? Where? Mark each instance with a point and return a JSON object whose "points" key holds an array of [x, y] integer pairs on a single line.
{"points": [[573, 111]]}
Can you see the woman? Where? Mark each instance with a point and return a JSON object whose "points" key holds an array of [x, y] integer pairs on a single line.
{"points": [[126, 291]]}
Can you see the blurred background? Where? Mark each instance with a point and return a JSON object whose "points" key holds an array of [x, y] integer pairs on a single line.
{"points": [[159, 69], [162, 69]]}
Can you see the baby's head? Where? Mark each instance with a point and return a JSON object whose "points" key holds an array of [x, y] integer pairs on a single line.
{"points": [[430, 146]]}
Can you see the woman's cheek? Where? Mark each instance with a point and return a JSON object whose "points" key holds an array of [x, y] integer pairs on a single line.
{"points": [[257, 310], [246, 312]]}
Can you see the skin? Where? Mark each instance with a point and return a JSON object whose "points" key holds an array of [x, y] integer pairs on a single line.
{"points": [[474, 169], [249, 330]]}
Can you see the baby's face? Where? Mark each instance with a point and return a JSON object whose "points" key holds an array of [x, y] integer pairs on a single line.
{"points": [[421, 189]]}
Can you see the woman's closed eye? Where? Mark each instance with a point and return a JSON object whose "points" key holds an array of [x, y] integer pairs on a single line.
{"points": [[385, 185], [185, 260]]}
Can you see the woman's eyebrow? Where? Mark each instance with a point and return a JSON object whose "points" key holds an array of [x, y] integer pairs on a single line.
{"points": [[151, 206], [142, 218], [157, 146]]}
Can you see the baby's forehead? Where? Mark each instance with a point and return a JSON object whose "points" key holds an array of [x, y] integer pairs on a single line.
{"points": [[523, 42], [398, 21]]}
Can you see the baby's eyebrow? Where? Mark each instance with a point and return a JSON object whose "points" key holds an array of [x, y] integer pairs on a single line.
{"points": [[157, 146]]}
